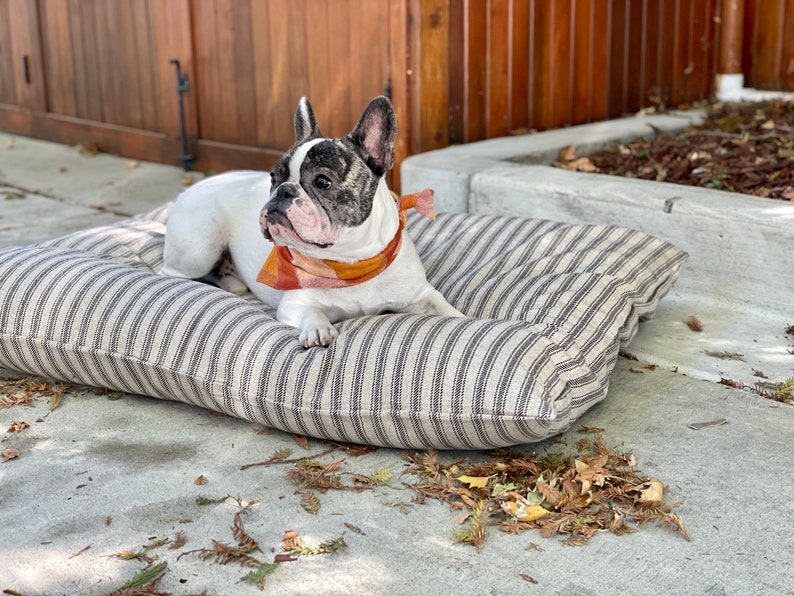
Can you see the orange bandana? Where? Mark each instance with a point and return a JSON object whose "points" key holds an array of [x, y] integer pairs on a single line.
{"points": [[290, 270]]}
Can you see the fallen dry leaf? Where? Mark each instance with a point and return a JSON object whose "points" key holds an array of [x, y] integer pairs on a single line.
{"points": [[187, 181], [301, 440], [474, 481], [17, 426], [131, 164], [179, 540], [567, 154], [700, 425], [528, 578], [201, 480], [652, 491], [694, 323], [9, 453], [80, 552], [523, 510]]}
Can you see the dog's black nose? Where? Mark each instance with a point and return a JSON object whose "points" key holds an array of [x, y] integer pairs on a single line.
{"points": [[287, 191]]}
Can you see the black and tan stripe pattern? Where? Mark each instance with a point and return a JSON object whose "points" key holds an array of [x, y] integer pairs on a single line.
{"points": [[551, 304]]}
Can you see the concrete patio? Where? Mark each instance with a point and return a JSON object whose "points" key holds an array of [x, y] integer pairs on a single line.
{"points": [[104, 473]]}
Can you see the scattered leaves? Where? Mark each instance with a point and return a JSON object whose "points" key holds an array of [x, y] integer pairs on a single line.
{"points": [[179, 541], [258, 575], [597, 489], [701, 425], [209, 501], [528, 578], [144, 583], [9, 454], [302, 441], [354, 529], [694, 323], [17, 426], [782, 392], [294, 544], [310, 502], [731, 150], [725, 355], [80, 552], [589, 429], [88, 149], [21, 391], [130, 555], [473, 532]]}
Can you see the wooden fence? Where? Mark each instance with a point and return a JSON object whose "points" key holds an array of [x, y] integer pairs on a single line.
{"points": [[99, 71], [768, 57]]}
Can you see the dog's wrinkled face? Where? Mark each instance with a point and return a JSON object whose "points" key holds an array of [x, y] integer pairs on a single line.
{"points": [[322, 186]]}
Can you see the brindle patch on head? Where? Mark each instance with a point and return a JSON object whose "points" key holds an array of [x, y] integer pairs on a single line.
{"points": [[348, 200]]}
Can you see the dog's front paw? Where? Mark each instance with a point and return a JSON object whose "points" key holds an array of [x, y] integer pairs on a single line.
{"points": [[317, 336]]}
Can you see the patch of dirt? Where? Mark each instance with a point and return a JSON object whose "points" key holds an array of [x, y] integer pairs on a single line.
{"points": [[740, 147]]}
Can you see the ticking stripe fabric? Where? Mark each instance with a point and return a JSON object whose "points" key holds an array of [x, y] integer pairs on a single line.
{"points": [[549, 306]]}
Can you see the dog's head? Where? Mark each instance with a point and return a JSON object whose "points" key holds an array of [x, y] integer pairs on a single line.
{"points": [[321, 186]]}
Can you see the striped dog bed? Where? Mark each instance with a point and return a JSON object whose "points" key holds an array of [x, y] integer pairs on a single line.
{"points": [[549, 305]]}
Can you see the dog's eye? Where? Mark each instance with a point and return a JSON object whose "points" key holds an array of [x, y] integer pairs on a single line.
{"points": [[322, 182]]}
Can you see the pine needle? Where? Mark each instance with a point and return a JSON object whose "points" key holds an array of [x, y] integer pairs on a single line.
{"points": [[310, 502], [145, 581], [258, 575]]}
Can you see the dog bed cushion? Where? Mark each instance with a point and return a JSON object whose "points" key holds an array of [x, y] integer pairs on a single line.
{"points": [[549, 305]]}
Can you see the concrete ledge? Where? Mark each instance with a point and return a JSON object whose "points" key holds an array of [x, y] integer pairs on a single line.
{"points": [[741, 247], [449, 171], [739, 277]]}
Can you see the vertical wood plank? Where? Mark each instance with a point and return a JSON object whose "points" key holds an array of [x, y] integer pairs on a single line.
{"points": [[457, 70], [499, 89], [635, 64], [399, 65], [339, 43], [618, 59], [560, 63], [173, 40], [58, 51], [245, 77], [700, 76], [433, 103], [601, 58], [768, 48], [262, 58], [787, 56], [519, 75], [541, 66], [320, 64], [8, 78], [649, 90], [476, 65], [583, 62]]}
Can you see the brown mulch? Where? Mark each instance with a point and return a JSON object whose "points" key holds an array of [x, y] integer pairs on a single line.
{"points": [[740, 147]]}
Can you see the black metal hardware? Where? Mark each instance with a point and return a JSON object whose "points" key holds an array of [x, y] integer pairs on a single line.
{"points": [[182, 87], [26, 66]]}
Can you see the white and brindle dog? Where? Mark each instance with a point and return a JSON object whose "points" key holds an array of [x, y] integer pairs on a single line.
{"points": [[320, 238]]}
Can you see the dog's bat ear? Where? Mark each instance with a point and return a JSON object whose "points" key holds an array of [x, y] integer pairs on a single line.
{"points": [[305, 123], [374, 135]]}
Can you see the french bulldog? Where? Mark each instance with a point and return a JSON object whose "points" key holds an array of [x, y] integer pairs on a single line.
{"points": [[320, 238]]}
